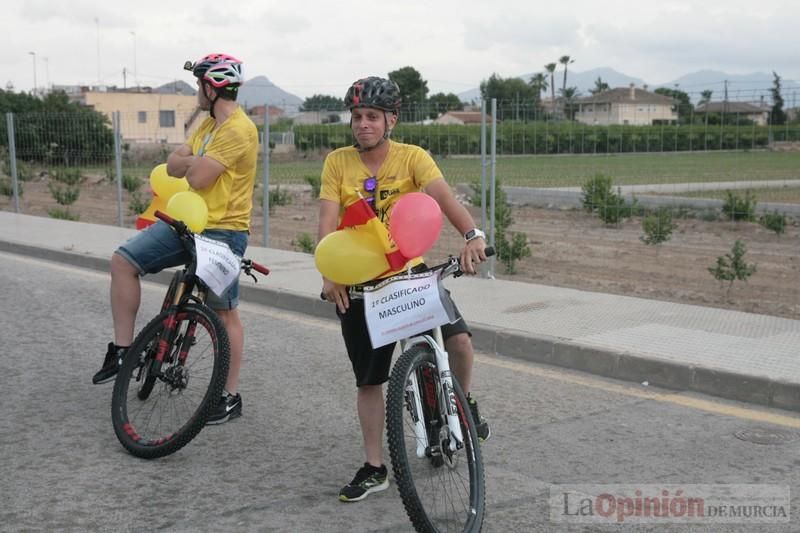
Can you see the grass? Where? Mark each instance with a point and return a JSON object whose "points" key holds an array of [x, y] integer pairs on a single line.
{"points": [[573, 170], [782, 195]]}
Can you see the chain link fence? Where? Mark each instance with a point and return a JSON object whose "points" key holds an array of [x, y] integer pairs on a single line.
{"points": [[641, 209]]}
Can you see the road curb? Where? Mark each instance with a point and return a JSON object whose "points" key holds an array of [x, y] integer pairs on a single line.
{"points": [[515, 344]]}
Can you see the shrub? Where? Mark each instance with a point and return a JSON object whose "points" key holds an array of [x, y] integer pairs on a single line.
{"points": [[62, 214], [657, 226], [64, 195], [131, 183], [596, 192], [305, 243], [738, 208], [774, 221], [279, 197], [314, 181], [732, 267], [67, 176], [137, 203], [510, 252], [7, 187]]}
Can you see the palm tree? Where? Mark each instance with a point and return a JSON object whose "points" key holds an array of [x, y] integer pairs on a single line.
{"points": [[565, 60], [599, 86], [550, 68], [705, 99], [569, 95], [539, 84]]}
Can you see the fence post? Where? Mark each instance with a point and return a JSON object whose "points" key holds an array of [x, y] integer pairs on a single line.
{"points": [[118, 161], [12, 157], [493, 187], [265, 193], [483, 164]]}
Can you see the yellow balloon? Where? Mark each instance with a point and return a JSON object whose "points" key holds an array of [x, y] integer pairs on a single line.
{"points": [[165, 186], [190, 208], [350, 256]]}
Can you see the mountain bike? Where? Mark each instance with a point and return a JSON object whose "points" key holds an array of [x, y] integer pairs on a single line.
{"points": [[433, 444], [175, 370]]}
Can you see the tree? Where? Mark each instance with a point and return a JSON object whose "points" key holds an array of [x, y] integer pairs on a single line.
{"points": [[705, 99], [56, 130], [538, 83], [778, 115], [599, 86], [322, 102], [551, 69], [565, 60], [413, 88], [682, 100], [569, 95], [441, 103], [509, 90]]}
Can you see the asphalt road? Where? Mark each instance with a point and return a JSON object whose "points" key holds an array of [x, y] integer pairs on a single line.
{"points": [[280, 466]]}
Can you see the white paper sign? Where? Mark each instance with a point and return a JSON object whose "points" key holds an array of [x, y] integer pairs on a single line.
{"points": [[217, 265], [402, 307]]}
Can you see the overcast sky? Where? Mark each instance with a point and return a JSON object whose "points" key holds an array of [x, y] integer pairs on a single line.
{"points": [[308, 47]]}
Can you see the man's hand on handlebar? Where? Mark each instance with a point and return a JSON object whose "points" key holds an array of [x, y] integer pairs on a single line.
{"points": [[335, 293], [473, 254]]}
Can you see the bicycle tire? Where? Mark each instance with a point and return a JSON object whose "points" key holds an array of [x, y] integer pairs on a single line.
{"points": [[170, 414], [421, 494]]}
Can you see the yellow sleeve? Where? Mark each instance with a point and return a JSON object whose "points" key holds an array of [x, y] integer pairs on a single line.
{"points": [[331, 181], [424, 168], [228, 146]]}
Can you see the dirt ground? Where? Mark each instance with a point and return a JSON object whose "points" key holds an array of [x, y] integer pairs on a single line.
{"points": [[569, 248]]}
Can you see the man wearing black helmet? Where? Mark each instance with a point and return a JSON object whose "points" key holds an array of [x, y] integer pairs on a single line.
{"points": [[219, 162], [381, 171]]}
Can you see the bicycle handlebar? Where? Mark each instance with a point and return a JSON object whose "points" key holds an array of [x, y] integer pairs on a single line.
{"points": [[451, 266], [184, 231]]}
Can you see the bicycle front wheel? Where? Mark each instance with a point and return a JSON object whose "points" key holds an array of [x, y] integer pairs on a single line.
{"points": [[441, 489], [159, 407]]}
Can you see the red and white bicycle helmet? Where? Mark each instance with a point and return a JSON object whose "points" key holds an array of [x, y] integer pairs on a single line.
{"points": [[220, 70]]}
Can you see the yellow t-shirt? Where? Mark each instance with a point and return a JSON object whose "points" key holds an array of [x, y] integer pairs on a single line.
{"points": [[407, 168], [234, 144]]}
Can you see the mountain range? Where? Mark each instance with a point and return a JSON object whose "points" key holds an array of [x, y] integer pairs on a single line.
{"points": [[741, 87], [256, 91]]}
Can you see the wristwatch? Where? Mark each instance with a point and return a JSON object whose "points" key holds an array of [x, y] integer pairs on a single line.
{"points": [[474, 233]]}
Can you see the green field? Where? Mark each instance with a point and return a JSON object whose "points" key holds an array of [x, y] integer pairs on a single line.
{"points": [[781, 195], [573, 170]]}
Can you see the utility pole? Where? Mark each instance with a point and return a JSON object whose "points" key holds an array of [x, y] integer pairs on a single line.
{"points": [[97, 26], [47, 73], [34, 72], [124, 78], [135, 70]]}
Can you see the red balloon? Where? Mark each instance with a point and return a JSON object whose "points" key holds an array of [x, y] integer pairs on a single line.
{"points": [[415, 223]]}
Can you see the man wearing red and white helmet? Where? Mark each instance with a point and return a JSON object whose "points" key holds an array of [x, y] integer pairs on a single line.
{"points": [[219, 162], [382, 171]]}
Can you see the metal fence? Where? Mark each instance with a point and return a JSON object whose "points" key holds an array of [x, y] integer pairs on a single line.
{"points": [[710, 179]]}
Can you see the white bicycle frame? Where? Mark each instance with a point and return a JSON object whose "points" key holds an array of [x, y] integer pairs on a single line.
{"points": [[447, 393]]}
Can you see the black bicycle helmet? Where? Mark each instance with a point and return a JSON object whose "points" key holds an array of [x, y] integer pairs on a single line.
{"points": [[373, 92]]}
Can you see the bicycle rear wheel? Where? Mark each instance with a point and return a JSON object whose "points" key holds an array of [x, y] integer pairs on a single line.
{"points": [[443, 490], [157, 408]]}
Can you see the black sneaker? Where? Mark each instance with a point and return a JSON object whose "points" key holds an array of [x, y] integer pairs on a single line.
{"points": [[111, 364], [368, 479], [481, 425], [228, 408]]}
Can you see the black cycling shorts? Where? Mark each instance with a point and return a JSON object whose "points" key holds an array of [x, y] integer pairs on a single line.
{"points": [[371, 366]]}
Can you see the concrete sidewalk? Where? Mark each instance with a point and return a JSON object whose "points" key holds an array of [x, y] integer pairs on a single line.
{"points": [[734, 355]]}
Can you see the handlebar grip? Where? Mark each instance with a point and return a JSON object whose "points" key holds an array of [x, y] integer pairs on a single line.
{"points": [[489, 251], [165, 217], [259, 268]]}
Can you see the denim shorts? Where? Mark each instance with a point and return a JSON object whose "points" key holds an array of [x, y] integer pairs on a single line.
{"points": [[158, 247]]}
